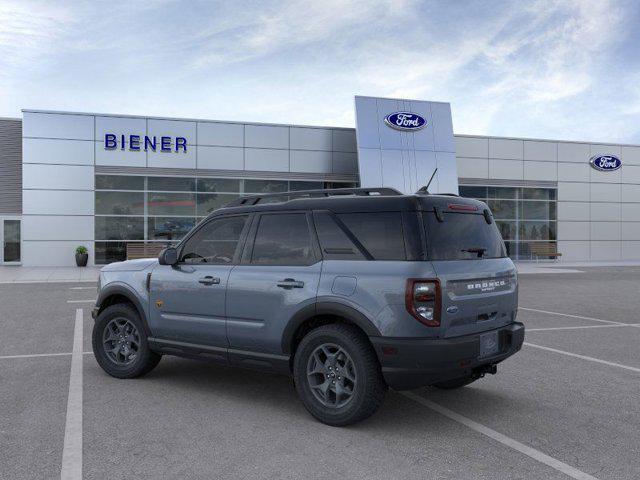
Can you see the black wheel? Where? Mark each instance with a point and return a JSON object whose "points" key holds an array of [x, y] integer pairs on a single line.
{"points": [[337, 375], [455, 383], [120, 343]]}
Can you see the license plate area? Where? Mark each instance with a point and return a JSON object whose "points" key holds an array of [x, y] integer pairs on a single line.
{"points": [[489, 344]]}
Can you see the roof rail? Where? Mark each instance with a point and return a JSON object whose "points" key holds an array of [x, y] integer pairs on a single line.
{"points": [[329, 192]]}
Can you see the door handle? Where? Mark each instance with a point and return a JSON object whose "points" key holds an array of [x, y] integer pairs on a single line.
{"points": [[289, 283], [209, 280]]}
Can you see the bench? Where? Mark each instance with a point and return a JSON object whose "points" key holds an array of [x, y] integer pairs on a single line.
{"points": [[544, 250], [144, 250]]}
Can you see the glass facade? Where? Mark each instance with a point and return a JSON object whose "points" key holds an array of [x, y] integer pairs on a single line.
{"points": [[523, 215], [163, 209]]}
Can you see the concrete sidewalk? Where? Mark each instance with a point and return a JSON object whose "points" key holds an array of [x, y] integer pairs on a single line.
{"points": [[19, 274]]}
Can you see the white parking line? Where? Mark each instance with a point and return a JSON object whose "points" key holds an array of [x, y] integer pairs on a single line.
{"points": [[571, 316], [582, 326], [503, 439], [82, 288], [82, 301], [72, 450], [583, 357], [36, 355]]}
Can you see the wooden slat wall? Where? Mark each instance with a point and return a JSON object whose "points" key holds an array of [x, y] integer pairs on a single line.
{"points": [[10, 166]]}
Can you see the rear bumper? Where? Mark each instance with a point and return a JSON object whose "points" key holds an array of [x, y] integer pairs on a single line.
{"points": [[411, 363]]}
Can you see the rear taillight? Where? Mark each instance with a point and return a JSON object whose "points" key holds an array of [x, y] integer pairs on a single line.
{"points": [[422, 299]]}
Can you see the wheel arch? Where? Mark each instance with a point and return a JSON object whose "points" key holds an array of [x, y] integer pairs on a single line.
{"points": [[323, 313], [118, 293]]}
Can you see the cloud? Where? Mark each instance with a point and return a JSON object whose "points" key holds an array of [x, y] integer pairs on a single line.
{"points": [[508, 68]]}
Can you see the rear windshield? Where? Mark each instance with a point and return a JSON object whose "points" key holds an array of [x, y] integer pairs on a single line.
{"points": [[462, 236]]}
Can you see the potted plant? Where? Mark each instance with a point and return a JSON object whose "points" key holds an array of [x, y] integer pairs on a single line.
{"points": [[82, 256]]}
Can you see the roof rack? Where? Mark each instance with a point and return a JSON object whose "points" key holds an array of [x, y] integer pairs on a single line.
{"points": [[329, 192]]}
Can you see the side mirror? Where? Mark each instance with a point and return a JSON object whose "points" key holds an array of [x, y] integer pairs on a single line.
{"points": [[168, 256]]}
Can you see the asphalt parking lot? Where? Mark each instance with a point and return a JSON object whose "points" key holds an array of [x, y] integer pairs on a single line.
{"points": [[566, 406]]}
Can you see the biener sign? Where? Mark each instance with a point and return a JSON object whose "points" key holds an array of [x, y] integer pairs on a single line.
{"points": [[145, 143]]}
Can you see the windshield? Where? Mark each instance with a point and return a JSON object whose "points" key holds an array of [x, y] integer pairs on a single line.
{"points": [[462, 236]]}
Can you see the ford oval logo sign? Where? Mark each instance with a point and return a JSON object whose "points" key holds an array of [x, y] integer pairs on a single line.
{"points": [[405, 121], [605, 163]]}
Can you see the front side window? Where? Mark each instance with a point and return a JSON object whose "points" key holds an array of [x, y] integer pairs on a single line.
{"points": [[214, 243], [283, 239]]}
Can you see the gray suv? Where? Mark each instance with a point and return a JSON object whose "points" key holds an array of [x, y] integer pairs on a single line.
{"points": [[349, 291]]}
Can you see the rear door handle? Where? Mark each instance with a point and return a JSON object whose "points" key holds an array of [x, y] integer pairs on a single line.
{"points": [[290, 283], [209, 280]]}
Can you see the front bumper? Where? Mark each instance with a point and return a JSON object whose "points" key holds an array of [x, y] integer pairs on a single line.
{"points": [[409, 363]]}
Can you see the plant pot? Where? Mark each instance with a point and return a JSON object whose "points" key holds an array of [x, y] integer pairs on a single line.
{"points": [[81, 259]]}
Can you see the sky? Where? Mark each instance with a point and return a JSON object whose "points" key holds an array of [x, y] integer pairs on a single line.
{"points": [[540, 69]]}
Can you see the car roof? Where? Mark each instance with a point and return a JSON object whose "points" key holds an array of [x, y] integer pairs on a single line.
{"points": [[350, 203]]}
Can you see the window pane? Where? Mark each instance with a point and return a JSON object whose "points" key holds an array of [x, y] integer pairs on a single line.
{"points": [[538, 194], [537, 231], [215, 242], [459, 234], [503, 209], [11, 247], [264, 186], [340, 185], [167, 228], [119, 228], [380, 233], [108, 252], [283, 240], [507, 229], [172, 204], [532, 210], [502, 192], [119, 182], [119, 203], [175, 184], [473, 192], [218, 185], [334, 242], [295, 186], [208, 203]]}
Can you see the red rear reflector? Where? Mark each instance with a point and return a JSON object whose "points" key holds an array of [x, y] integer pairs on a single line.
{"points": [[462, 208], [389, 351]]}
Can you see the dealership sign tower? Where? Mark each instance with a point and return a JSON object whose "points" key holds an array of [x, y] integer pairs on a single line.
{"points": [[402, 142]]}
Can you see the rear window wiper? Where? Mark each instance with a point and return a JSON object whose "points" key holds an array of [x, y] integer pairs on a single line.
{"points": [[478, 250]]}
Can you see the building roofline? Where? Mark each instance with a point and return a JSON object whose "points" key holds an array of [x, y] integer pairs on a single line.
{"points": [[402, 99], [180, 119], [548, 140]]}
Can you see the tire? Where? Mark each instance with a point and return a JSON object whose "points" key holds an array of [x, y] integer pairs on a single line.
{"points": [[455, 383], [136, 357], [352, 353]]}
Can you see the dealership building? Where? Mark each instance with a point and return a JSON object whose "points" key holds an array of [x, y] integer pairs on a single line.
{"points": [[114, 183]]}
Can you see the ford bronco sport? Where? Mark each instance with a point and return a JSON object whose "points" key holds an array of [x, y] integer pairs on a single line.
{"points": [[350, 291]]}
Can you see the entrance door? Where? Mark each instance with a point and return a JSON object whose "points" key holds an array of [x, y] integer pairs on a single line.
{"points": [[10, 238]]}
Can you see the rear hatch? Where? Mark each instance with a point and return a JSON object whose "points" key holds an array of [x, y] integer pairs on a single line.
{"points": [[477, 280]]}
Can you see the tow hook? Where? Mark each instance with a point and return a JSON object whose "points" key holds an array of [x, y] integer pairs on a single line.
{"points": [[480, 372]]}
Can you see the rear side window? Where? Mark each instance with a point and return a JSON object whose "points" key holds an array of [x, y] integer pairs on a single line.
{"points": [[462, 236], [334, 242], [283, 239], [380, 233]]}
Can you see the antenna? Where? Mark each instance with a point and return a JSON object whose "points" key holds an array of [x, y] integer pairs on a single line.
{"points": [[425, 189]]}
